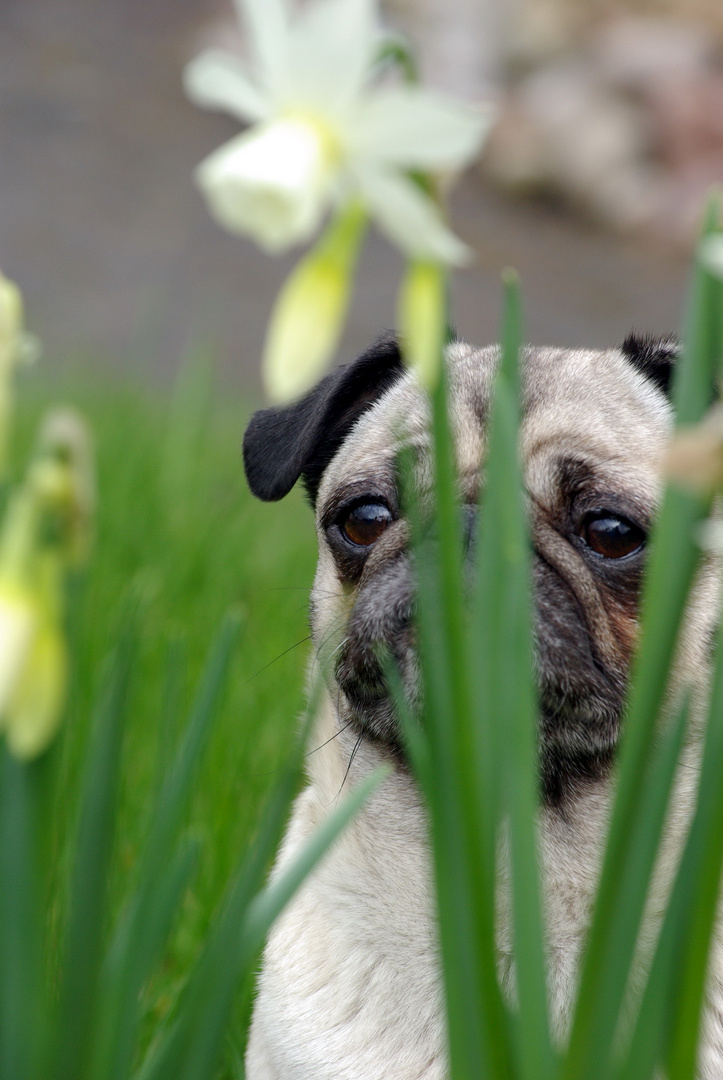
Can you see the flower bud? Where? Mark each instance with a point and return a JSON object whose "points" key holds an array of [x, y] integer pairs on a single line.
{"points": [[307, 320], [35, 707], [46, 529], [422, 320]]}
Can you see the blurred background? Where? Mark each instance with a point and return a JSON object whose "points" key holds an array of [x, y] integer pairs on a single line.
{"points": [[610, 132]]}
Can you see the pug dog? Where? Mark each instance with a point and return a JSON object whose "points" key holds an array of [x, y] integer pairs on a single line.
{"points": [[350, 985]]}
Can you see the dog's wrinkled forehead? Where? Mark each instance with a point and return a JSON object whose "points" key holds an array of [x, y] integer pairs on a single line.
{"points": [[584, 405]]}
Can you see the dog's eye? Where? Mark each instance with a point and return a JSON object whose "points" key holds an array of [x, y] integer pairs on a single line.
{"points": [[611, 536], [364, 524]]}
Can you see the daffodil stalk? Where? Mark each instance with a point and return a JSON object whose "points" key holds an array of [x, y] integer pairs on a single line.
{"points": [[45, 532], [327, 136]]}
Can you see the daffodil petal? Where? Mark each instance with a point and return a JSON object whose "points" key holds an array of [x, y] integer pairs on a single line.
{"points": [[409, 218], [331, 51], [216, 80], [34, 711], [419, 129], [272, 183], [268, 25]]}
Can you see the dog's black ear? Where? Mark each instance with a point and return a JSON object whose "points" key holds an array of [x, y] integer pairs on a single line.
{"points": [[653, 357], [281, 445]]}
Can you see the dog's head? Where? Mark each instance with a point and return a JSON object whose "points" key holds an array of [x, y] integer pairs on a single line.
{"points": [[595, 427]]}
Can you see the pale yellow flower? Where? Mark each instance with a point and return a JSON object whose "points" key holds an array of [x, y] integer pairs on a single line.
{"points": [[325, 135]]}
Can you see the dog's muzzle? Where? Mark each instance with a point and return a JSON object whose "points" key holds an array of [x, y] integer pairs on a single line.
{"points": [[380, 629]]}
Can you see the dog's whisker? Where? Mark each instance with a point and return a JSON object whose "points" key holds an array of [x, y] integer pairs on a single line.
{"points": [[336, 625], [336, 735], [357, 744], [281, 654]]}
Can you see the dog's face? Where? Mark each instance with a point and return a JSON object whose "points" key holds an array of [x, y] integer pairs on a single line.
{"points": [[593, 437]]}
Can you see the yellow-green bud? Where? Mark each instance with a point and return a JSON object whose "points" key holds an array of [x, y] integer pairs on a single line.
{"points": [[422, 320], [309, 314]]}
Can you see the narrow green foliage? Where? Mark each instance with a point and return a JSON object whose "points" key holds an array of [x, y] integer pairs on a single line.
{"points": [[117, 1032], [215, 973], [698, 884], [644, 1049], [144, 927], [22, 1004], [482, 789], [480, 720], [464, 860], [509, 703], [105, 904], [176, 669], [87, 902], [674, 557]]}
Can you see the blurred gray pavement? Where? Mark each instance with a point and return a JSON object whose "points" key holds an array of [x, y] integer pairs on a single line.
{"points": [[120, 264]]}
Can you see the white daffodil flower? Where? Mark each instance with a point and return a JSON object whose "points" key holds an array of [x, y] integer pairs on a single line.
{"points": [[324, 135]]}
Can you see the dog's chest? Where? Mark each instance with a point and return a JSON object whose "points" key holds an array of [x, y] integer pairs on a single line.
{"points": [[350, 985]]}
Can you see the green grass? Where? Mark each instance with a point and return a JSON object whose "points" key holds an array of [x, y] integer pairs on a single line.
{"points": [[179, 535]]}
